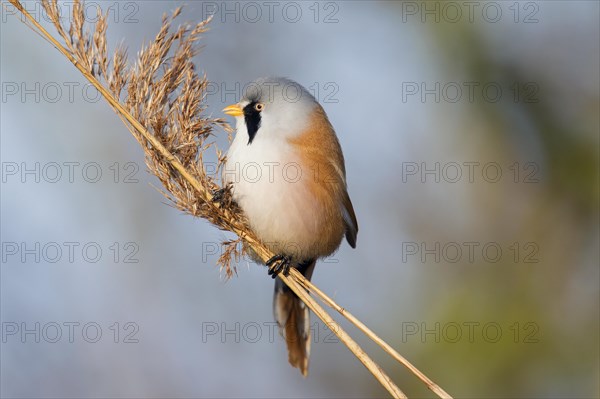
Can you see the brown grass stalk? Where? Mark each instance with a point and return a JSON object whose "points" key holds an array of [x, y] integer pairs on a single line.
{"points": [[160, 99], [307, 284]]}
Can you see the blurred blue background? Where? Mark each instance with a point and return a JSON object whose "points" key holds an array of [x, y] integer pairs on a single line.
{"points": [[471, 141]]}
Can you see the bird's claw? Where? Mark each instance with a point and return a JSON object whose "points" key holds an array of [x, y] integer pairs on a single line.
{"points": [[222, 195], [279, 264]]}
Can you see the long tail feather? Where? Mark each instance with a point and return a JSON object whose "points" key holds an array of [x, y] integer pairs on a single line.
{"points": [[293, 318]]}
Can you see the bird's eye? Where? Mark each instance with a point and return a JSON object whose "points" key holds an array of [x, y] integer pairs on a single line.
{"points": [[259, 106]]}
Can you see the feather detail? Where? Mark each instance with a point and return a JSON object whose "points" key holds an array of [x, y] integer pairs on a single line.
{"points": [[321, 156], [293, 319]]}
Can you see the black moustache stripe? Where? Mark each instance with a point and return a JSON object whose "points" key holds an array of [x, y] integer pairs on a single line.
{"points": [[252, 117]]}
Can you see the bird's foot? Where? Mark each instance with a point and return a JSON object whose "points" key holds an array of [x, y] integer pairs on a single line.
{"points": [[279, 264], [223, 195]]}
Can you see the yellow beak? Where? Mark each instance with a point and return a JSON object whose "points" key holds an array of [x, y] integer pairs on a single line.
{"points": [[233, 110]]}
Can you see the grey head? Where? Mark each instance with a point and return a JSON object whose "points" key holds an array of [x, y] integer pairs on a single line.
{"points": [[276, 107]]}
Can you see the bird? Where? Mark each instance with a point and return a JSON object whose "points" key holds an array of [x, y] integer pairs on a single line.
{"points": [[286, 172]]}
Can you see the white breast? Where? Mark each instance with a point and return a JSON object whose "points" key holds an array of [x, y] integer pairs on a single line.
{"points": [[269, 184]]}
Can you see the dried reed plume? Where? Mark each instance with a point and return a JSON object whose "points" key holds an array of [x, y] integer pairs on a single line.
{"points": [[160, 98], [163, 92]]}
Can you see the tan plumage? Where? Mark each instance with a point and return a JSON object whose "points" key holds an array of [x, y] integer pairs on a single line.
{"points": [[321, 155]]}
